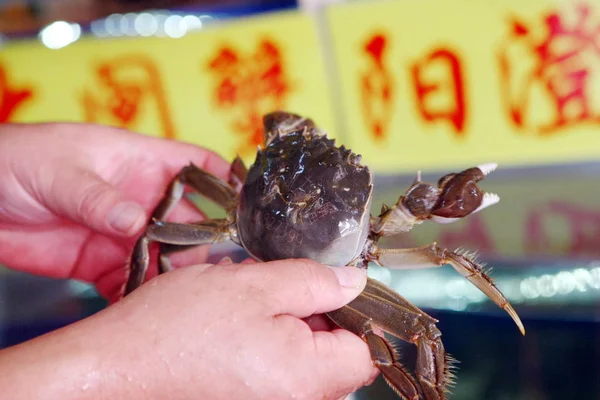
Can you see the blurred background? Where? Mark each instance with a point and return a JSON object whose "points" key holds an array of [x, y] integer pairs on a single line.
{"points": [[432, 85]]}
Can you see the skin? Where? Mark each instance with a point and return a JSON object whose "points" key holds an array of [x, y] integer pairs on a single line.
{"points": [[248, 330]]}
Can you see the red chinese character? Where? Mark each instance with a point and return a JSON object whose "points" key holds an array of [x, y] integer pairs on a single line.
{"points": [[126, 86], [559, 66], [10, 98], [249, 86], [583, 228], [450, 87], [377, 88], [474, 235]]}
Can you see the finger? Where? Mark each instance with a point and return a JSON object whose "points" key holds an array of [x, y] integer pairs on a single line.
{"points": [[191, 256], [343, 361], [86, 198], [111, 284], [303, 287], [319, 323], [200, 268], [66, 251], [51, 252], [176, 154]]}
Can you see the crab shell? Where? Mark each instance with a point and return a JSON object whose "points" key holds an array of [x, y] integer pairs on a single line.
{"points": [[305, 198]]}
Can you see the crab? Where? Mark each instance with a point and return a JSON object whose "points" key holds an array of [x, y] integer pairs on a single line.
{"points": [[305, 197]]}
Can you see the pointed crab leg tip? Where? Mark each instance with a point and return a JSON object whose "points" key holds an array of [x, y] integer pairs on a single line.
{"points": [[487, 168], [513, 314]]}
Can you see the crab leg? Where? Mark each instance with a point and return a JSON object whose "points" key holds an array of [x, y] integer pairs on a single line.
{"points": [[208, 185], [434, 256], [238, 174], [175, 237], [206, 232], [378, 306], [203, 232]]}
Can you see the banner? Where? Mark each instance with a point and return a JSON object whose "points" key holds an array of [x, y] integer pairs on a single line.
{"points": [[210, 88], [410, 85], [431, 84]]}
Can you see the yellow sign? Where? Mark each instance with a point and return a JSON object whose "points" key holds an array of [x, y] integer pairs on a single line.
{"points": [[210, 88], [414, 85], [432, 84]]}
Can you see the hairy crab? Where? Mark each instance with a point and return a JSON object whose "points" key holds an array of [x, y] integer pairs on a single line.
{"points": [[304, 197]]}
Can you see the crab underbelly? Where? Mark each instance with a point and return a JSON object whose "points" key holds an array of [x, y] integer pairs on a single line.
{"points": [[331, 241], [341, 251]]}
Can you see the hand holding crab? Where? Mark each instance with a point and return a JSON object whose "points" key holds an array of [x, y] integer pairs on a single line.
{"points": [[74, 194], [202, 332]]}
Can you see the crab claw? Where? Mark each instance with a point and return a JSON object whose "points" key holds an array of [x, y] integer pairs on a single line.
{"points": [[455, 196], [460, 195]]}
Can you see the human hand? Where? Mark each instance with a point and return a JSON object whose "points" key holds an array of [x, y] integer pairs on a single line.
{"points": [[211, 332], [73, 197]]}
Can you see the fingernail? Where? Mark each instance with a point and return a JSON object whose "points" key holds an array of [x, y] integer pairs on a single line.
{"points": [[350, 277], [225, 260], [127, 217]]}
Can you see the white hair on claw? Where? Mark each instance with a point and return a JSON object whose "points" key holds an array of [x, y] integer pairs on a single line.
{"points": [[489, 199], [443, 220], [418, 178], [487, 168]]}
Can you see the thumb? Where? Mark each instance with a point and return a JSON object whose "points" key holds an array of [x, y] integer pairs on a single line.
{"points": [[86, 198], [302, 287]]}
